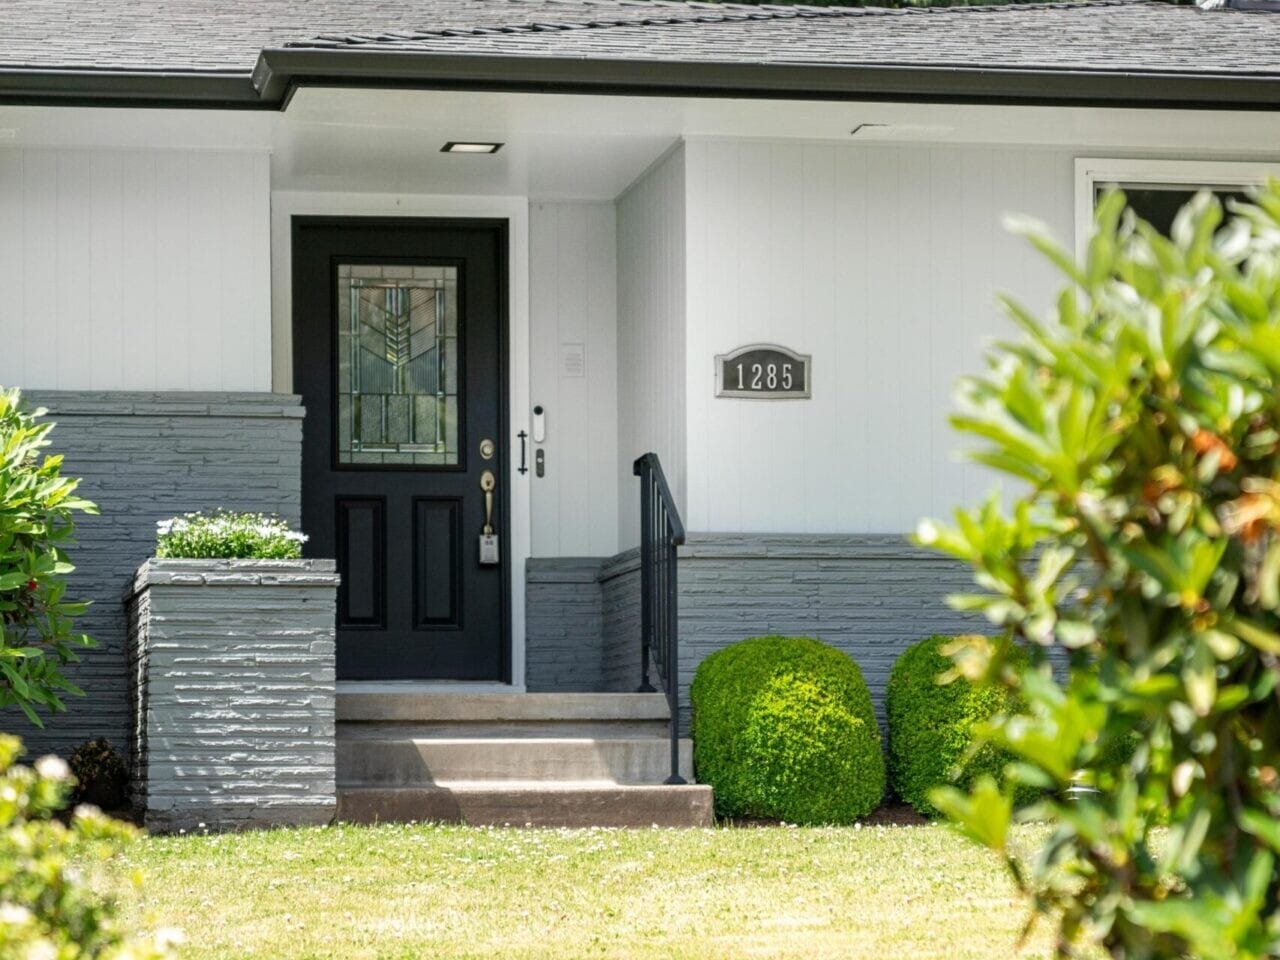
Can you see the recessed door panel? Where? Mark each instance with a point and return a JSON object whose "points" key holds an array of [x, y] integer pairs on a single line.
{"points": [[437, 561], [362, 561]]}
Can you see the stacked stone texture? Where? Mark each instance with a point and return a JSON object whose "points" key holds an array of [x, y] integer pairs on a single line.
{"points": [[869, 595], [145, 457], [232, 669]]}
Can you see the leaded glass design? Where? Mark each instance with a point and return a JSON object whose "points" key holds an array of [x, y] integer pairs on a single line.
{"points": [[397, 365]]}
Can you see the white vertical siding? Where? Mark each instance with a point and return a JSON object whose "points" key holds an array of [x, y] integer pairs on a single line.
{"points": [[573, 300], [882, 262], [134, 270], [651, 334]]}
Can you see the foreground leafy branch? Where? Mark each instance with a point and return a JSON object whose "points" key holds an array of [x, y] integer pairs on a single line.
{"points": [[48, 904], [1142, 420], [37, 503]]}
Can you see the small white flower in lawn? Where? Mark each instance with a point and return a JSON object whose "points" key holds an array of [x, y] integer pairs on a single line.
{"points": [[168, 938], [53, 768]]}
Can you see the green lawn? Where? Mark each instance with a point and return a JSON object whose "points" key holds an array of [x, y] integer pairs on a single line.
{"points": [[878, 893]]}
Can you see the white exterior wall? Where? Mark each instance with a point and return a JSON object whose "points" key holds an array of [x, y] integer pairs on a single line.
{"points": [[651, 333], [135, 269], [573, 303], [883, 263]]}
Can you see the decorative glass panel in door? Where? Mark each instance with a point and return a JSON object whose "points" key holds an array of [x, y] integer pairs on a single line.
{"points": [[397, 365]]}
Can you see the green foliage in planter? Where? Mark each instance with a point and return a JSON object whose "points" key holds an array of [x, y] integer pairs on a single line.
{"points": [[222, 535], [935, 717], [1142, 422], [37, 623], [48, 903], [783, 728], [99, 773]]}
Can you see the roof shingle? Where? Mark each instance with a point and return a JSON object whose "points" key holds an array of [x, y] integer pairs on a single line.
{"points": [[1140, 36], [226, 36]]}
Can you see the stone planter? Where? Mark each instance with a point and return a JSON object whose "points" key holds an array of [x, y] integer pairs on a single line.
{"points": [[231, 674]]}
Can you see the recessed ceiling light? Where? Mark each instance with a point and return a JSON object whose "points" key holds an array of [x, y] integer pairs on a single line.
{"points": [[462, 146]]}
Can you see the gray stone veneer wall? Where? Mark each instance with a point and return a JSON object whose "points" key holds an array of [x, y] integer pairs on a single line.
{"points": [[620, 598], [871, 596], [144, 457], [231, 666], [563, 626], [582, 624]]}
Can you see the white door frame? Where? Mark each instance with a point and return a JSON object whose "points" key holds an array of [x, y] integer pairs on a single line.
{"points": [[285, 205]]}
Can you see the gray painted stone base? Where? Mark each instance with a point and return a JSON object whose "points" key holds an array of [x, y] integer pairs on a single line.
{"points": [[869, 595], [231, 666], [144, 457], [563, 625]]}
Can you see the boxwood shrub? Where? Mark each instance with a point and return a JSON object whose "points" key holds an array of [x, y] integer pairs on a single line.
{"points": [[783, 728], [931, 725]]}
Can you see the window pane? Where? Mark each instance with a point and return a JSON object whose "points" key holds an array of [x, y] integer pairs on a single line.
{"points": [[397, 365], [1158, 204]]}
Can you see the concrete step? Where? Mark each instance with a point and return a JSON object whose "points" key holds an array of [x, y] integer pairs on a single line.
{"points": [[379, 703], [530, 804], [502, 729], [421, 761]]}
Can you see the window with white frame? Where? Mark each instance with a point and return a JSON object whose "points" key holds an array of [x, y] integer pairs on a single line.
{"points": [[1156, 189]]}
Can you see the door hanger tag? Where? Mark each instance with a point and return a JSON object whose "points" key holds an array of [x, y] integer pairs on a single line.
{"points": [[488, 549]]}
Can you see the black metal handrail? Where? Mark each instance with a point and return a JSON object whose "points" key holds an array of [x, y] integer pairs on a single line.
{"points": [[661, 532]]}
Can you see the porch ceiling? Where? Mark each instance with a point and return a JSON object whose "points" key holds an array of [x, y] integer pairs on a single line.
{"points": [[593, 147]]}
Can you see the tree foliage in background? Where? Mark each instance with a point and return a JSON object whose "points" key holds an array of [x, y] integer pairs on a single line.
{"points": [[1142, 420], [37, 634], [48, 908]]}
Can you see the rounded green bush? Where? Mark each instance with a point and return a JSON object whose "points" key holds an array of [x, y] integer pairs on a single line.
{"points": [[932, 725], [783, 727]]}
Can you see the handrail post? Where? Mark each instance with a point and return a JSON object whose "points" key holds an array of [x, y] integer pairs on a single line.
{"points": [[661, 534], [672, 665], [646, 574]]}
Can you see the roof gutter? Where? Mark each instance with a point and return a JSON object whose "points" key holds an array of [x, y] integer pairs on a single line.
{"points": [[123, 88], [279, 72]]}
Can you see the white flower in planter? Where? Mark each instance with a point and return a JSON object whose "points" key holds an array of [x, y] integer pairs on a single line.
{"points": [[228, 536]]}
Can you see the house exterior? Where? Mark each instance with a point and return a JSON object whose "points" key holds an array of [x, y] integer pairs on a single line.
{"points": [[412, 271]]}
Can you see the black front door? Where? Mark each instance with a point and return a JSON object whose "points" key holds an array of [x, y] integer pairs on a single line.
{"points": [[398, 353]]}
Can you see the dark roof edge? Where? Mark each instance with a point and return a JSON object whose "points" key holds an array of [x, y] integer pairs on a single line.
{"points": [[125, 88], [280, 72]]}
